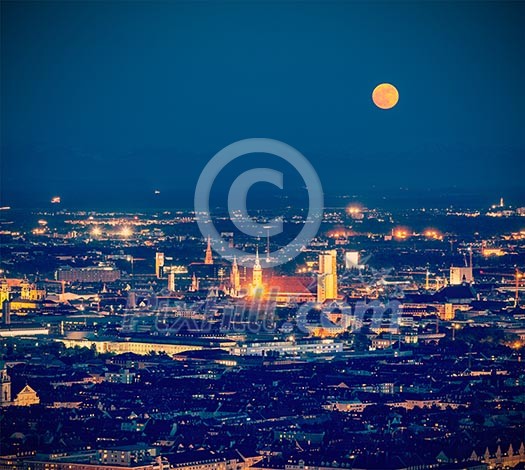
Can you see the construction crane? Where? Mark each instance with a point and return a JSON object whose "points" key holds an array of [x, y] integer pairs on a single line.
{"points": [[131, 259], [468, 264], [427, 274], [517, 275]]}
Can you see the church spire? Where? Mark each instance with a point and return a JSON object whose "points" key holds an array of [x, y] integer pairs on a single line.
{"points": [[235, 279], [194, 283], [209, 256], [257, 271]]}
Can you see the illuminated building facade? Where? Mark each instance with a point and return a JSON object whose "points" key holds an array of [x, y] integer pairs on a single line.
{"points": [[26, 397], [289, 289], [287, 348], [327, 277], [88, 274], [235, 279], [351, 259], [31, 292], [171, 281], [4, 291], [459, 275], [146, 347], [208, 259], [257, 280], [194, 283], [159, 264]]}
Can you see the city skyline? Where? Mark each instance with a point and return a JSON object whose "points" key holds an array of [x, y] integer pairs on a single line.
{"points": [[262, 235]]}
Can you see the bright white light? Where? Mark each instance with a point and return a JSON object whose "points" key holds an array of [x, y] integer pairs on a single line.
{"points": [[126, 232]]}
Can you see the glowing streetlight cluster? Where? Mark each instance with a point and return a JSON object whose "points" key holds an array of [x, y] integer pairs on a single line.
{"points": [[124, 232], [401, 233], [433, 234]]}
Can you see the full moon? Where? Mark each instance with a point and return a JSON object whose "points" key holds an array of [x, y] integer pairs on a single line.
{"points": [[385, 96]]}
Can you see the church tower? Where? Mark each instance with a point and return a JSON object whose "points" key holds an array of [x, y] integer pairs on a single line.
{"points": [[194, 283], [5, 381], [209, 256], [235, 279], [257, 272]]}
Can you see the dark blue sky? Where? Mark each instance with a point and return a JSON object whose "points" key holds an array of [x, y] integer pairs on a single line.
{"points": [[109, 100]]}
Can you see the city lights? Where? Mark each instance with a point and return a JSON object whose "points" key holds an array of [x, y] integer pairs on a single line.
{"points": [[401, 233], [96, 231], [126, 232], [433, 234], [292, 235]]}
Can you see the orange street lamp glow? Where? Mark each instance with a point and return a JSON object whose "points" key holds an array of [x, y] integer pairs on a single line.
{"points": [[432, 233], [401, 233]]}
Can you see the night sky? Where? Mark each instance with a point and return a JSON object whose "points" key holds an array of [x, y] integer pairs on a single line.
{"points": [[107, 101]]}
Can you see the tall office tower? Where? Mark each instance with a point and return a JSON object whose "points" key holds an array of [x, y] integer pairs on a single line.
{"points": [[159, 264], [235, 278], [257, 272], [5, 382], [171, 281], [209, 256], [327, 277]]}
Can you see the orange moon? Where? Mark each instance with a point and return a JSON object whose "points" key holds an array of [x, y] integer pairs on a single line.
{"points": [[385, 96]]}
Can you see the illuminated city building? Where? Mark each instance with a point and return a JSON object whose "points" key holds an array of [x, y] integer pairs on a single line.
{"points": [[194, 283], [235, 279], [30, 292], [146, 347], [209, 255], [26, 397], [257, 280], [487, 252], [4, 291], [351, 259], [88, 274], [287, 348], [285, 290], [171, 271], [327, 276], [171, 281], [459, 275], [159, 264]]}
